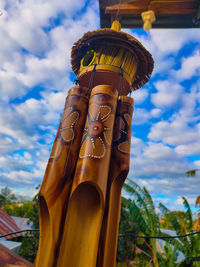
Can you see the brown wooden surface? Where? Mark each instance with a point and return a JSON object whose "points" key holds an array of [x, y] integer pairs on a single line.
{"points": [[119, 168], [56, 186], [85, 211], [136, 7], [183, 15], [159, 7], [106, 74]]}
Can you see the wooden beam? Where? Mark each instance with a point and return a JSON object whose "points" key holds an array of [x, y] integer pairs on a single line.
{"points": [[162, 21], [136, 7], [173, 6], [158, 6]]}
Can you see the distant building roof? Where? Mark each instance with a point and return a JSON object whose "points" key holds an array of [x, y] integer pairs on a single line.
{"points": [[11, 245], [7, 225], [22, 223], [9, 258]]}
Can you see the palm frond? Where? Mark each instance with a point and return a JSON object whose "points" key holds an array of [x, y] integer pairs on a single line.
{"points": [[135, 212], [163, 208], [188, 213], [133, 187], [144, 202], [134, 190], [154, 216], [172, 241]]}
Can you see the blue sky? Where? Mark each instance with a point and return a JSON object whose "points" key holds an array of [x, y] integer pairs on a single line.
{"points": [[36, 37]]}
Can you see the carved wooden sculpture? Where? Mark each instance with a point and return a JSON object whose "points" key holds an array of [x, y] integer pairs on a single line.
{"points": [[79, 200]]}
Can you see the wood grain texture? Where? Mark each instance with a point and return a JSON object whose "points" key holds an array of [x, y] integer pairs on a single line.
{"points": [[158, 6], [80, 241], [119, 168], [56, 186]]}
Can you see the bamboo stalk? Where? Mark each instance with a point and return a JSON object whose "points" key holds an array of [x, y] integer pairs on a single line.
{"points": [[119, 168], [80, 241], [56, 186]]}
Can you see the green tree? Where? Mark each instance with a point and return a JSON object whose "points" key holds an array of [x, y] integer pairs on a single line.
{"points": [[142, 219], [192, 172], [170, 257], [165, 221], [30, 243], [189, 246], [126, 244], [6, 196]]}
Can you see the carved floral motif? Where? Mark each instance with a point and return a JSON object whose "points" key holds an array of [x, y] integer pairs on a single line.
{"points": [[65, 131], [122, 133], [98, 133]]}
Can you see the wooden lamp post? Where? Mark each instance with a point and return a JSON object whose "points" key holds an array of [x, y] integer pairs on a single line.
{"points": [[79, 200]]}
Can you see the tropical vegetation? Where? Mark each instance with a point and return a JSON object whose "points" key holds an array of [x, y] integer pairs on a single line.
{"points": [[139, 218], [20, 207], [140, 221]]}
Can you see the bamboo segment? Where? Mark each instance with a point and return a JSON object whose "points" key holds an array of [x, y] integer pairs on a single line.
{"points": [[56, 186], [119, 168], [80, 241]]}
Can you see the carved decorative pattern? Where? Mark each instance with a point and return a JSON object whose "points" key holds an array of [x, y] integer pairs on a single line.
{"points": [[122, 133], [98, 133], [65, 132], [68, 121]]}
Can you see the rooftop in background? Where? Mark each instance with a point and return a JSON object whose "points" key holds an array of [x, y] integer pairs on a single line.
{"points": [[9, 258], [7, 225], [23, 223], [169, 13], [11, 245]]}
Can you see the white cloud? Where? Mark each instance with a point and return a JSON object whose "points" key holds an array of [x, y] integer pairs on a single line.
{"points": [[162, 200], [140, 96], [190, 200], [159, 151], [174, 133], [24, 22], [197, 163], [141, 116], [168, 93], [152, 159], [10, 86], [172, 40], [189, 149], [162, 43], [190, 67]]}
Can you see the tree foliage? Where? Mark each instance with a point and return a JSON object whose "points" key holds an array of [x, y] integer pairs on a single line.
{"points": [[29, 246], [7, 197], [138, 217], [189, 246]]}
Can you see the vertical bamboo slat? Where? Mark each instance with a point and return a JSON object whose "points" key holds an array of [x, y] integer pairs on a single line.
{"points": [[56, 186], [80, 241], [119, 168]]}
